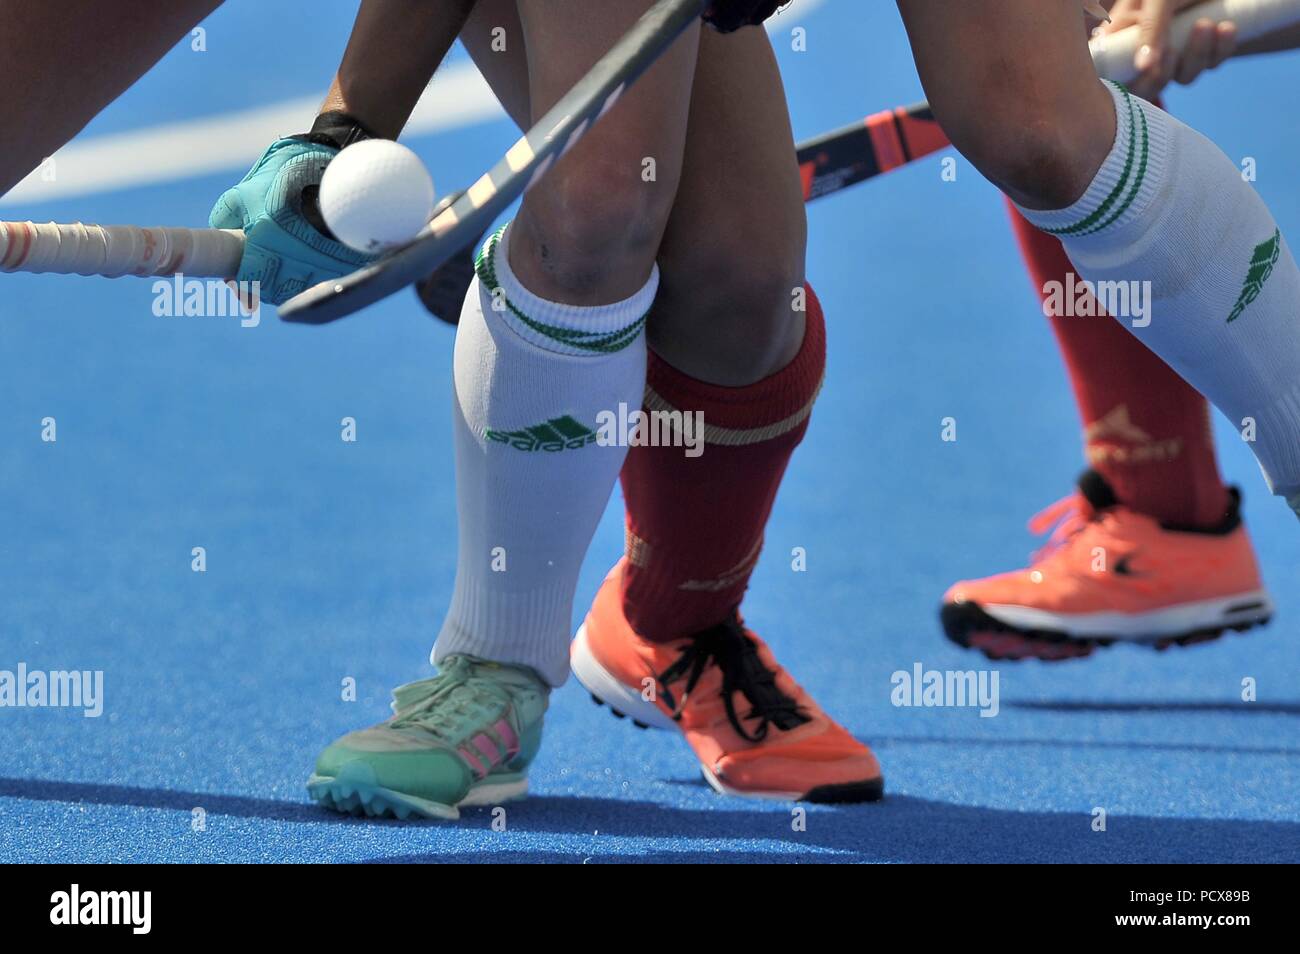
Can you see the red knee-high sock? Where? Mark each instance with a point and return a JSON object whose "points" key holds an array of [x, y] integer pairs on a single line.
{"points": [[695, 525], [1146, 430]]}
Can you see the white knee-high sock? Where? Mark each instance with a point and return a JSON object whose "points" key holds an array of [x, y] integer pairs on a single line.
{"points": [[1169, 208], [532, 481]]}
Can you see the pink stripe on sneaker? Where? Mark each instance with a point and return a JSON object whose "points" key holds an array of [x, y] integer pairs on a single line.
{"points": [[469, 756], [507, 736], [490, 750]]}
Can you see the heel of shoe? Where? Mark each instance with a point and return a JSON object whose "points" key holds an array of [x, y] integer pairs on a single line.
{"points": [[609, 690]]}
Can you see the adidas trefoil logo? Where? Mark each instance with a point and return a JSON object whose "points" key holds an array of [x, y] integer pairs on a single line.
{"points": [[1261, 268]]}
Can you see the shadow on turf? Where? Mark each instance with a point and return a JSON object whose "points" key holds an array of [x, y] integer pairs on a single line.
{"points": [[237, 806], [1236, 708], [1122, 745], [899, 829]]}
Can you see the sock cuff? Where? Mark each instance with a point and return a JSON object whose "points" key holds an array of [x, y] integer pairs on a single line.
{"points": [[760, 411], [1127, 181], [529, 628], [554, 326]]}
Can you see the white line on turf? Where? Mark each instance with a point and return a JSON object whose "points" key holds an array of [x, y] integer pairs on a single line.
{"points": [[457, 97]]}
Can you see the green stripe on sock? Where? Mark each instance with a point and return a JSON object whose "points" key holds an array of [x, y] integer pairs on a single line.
{"points": [[1138, 180], [596, 342], [1139, 147]]}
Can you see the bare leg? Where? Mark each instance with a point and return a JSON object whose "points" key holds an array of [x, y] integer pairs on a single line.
{"points": [[395, 47], [505, 65], [590, 233], [94, 48], [1014, 88], [733, 255]]}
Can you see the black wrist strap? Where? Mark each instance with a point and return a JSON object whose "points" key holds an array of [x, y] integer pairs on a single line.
{"points": [[337, 129]]}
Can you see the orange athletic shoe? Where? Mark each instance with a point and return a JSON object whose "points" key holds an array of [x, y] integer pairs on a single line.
{"points": [[1111, 574], [754, 730]]}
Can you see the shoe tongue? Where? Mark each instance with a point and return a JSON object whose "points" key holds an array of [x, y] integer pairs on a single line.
{"points": [[519, 677], [1094, 489]]}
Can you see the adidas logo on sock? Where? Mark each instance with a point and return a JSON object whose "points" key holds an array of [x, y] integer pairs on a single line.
{"points": [[1261, 267], [557, 434]]}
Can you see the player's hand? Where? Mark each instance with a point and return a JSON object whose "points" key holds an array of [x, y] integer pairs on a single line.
{"points": [[726, 16], [1209, 45], [275, 206]]}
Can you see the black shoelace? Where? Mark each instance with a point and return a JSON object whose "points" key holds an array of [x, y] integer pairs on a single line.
{"points": [[736, 655]]}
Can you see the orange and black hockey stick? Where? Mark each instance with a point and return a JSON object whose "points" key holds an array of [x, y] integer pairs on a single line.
{"points": [[880, 143]]}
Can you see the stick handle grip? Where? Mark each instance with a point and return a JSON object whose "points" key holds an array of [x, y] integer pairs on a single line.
{"points": [[115, 250], [1114, 53]]}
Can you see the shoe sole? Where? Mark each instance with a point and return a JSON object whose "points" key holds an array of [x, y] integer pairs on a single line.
{"points": [[356, 794], [607, 690], [1046, 635]]}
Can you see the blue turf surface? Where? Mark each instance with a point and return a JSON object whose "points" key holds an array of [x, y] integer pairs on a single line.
{"points": [[328, 560]]}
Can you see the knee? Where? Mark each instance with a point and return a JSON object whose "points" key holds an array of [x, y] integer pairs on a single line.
{"points": [[732, 311], [747, 292], [1042, 148], [1035, 166], [596, 220]]}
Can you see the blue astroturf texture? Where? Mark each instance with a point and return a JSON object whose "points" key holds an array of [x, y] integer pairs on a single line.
{"points": [[329, 561]]}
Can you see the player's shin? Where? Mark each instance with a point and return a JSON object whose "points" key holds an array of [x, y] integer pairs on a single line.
{"points": [[696, 513], [1146, 430], [534, 469]]}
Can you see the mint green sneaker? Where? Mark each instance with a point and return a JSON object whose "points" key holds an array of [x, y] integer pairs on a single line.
{"points": [[464, 737]]}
